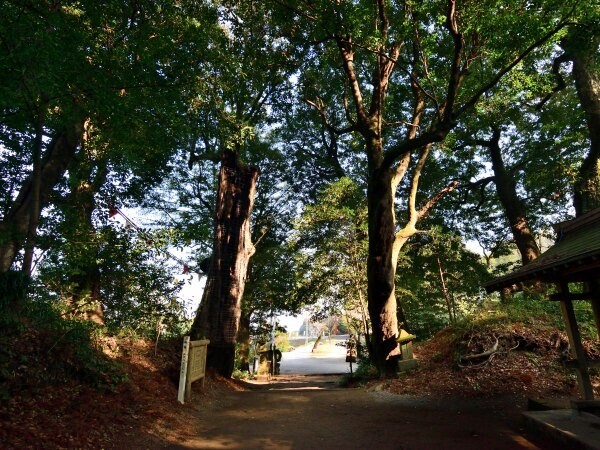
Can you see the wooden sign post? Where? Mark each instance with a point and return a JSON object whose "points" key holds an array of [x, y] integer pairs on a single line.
{"points": [[193, 366], [183, 371]]}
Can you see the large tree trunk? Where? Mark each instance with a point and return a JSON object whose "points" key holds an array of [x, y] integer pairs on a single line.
{"points": [[85, 297], [243, 341], [34, 204], [506, 189], [14, 226], [581, 48], [381, 271], [219, 313]]}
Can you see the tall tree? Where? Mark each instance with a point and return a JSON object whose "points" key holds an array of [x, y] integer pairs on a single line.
{"points": [[505, 182], [580, 47], [119, 67], [516, 163], [420, 67], [220, 309], [252, 85]]}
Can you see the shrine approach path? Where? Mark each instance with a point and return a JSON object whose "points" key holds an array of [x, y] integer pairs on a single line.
{"points": [[313, 412]]}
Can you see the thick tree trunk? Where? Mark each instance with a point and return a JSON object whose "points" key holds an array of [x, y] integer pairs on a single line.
{"points": [[364, 320], [219, 313], [86, 295], [14, 226], [381, 271], [506, 189], [243, 341], [582, 50], [34, 204]]}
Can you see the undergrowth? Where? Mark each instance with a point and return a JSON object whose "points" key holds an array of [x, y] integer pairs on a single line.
{"points": [[532, 311], [526, 323], [363, 372], [38, 347]]}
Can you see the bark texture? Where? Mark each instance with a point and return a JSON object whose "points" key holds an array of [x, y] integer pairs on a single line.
{"points": [[14, 226], [243, 341], [85, 298], [218, 316], [506, 189], [581, 47], [381, 270]]}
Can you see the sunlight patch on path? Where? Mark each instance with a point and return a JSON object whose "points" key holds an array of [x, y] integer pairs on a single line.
{"points": [[327, 359]]}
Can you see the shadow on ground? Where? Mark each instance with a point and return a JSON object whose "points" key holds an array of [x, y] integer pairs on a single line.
{"points": [[303, 412]]}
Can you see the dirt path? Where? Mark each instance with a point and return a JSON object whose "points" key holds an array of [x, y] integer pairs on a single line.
{"points": [[327, 359], [302, 412]]}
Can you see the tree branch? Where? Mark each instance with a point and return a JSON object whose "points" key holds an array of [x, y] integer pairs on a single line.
{"points": [[489, 85], [439, 130], [345, 46], [296, 10], [560, 81], [437, 134], [484, 354], [432, 201], [456, 73], [349, 118], [414, 183]]}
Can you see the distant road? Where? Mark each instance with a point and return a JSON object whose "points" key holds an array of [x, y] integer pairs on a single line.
{"points": [[327, 359]]}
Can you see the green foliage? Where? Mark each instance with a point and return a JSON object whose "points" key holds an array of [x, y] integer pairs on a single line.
{"points": [[127, 73], [270, 276], [241, 374], [281, 341], [421, 290], [331, 271], [137, 289], [529, 309], [363, 372], [492, 312], [49, 348]]}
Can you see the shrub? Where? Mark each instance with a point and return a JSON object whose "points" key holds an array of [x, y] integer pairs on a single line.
{"points": [[49, 348]]}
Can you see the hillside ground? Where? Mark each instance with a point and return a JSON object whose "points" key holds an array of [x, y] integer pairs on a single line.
{"points": [[50, 401]]}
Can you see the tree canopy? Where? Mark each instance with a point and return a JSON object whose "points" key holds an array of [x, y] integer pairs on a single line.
{"points": [[389, 135]]}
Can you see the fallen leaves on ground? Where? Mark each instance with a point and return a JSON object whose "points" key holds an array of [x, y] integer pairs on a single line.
{"points": [[45, 410], [529, 363], [139, 413]]}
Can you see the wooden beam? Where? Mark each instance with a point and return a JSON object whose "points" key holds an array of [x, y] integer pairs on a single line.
{"points": [[594, 287], [578, 272], [591, 406], [574, 364], [562, 297], [583, 375]]}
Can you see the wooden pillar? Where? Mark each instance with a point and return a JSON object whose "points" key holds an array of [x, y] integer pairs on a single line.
{"points": [[594, 286], [583, 375]]}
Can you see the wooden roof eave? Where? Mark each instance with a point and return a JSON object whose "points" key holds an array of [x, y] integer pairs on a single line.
{"points": [[582, 268]]}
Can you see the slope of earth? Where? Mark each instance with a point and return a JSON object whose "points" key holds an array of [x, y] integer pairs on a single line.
{"points": [[517, 360], [49, 401]]}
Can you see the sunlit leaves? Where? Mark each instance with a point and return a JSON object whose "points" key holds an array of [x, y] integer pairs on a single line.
{"points": [[331, 269]]}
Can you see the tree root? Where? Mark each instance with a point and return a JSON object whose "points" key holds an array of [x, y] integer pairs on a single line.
{"points": [[489, 354]]}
